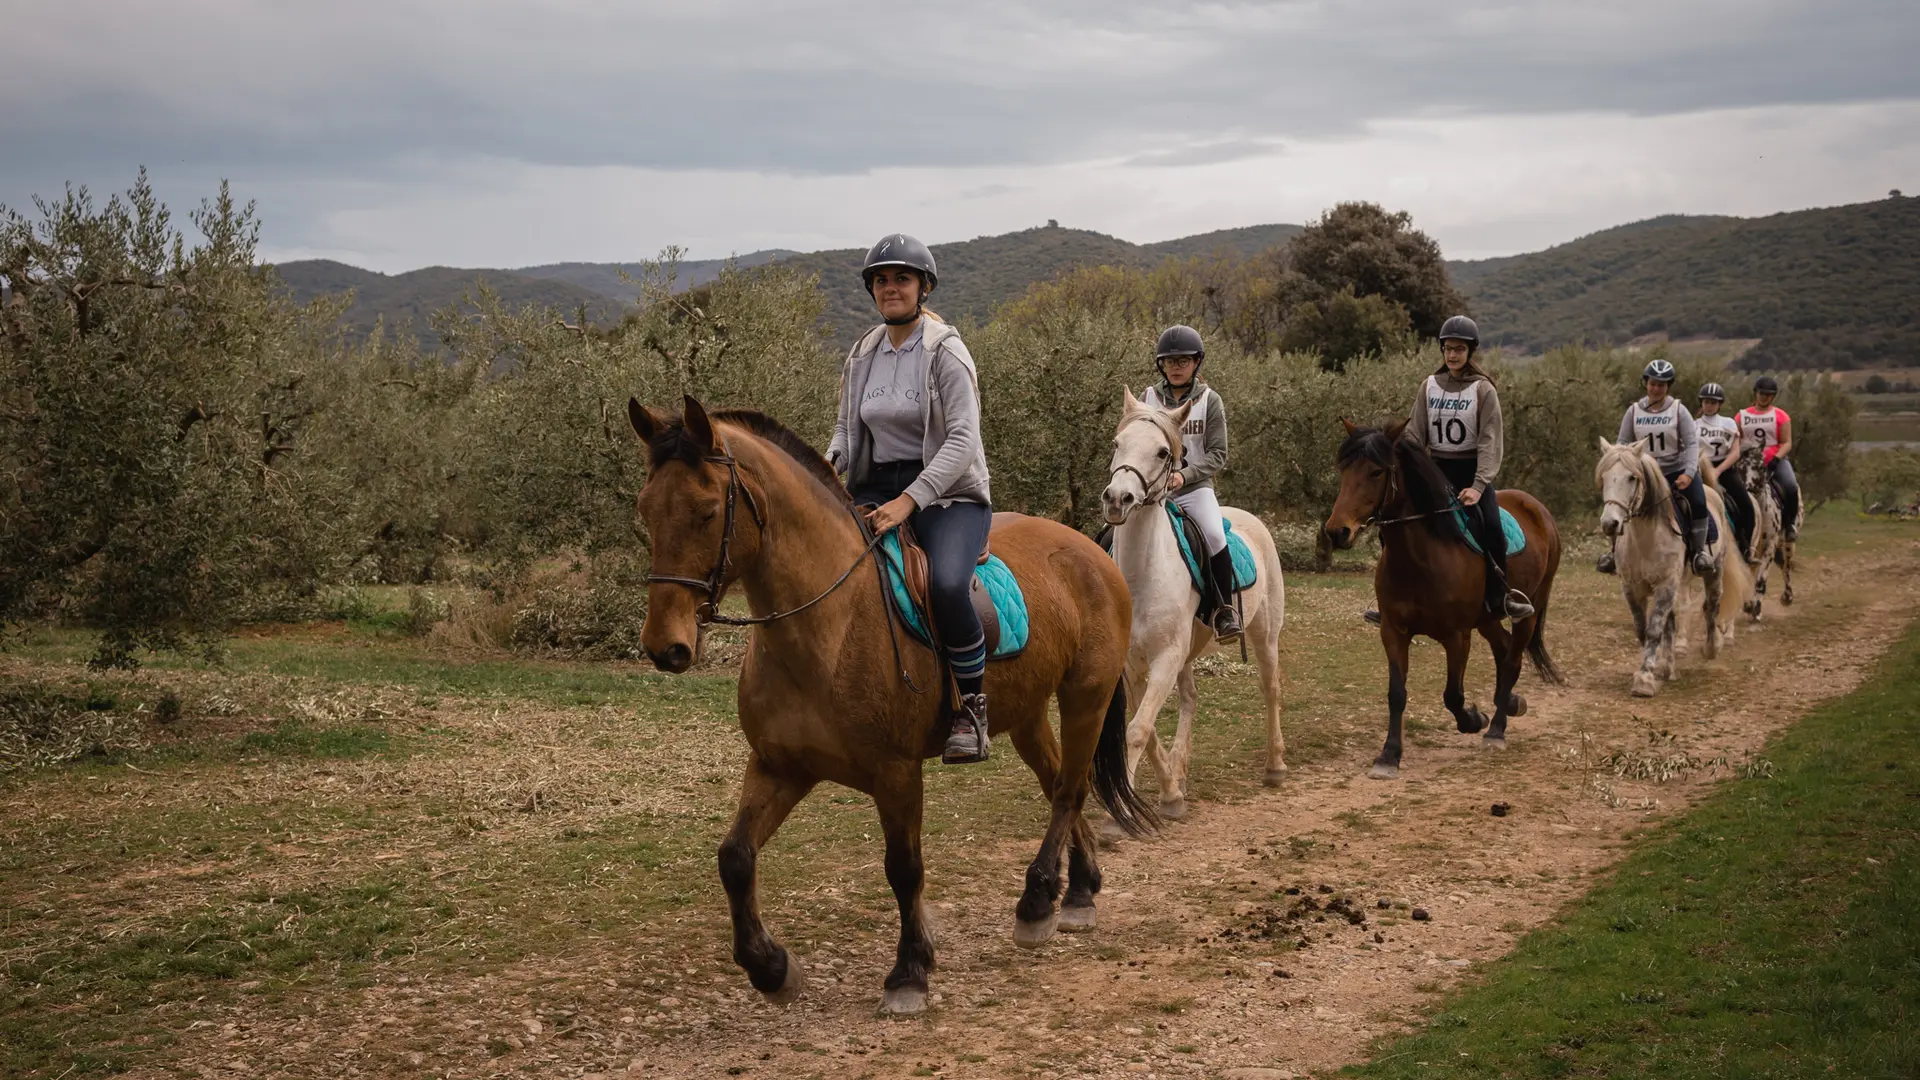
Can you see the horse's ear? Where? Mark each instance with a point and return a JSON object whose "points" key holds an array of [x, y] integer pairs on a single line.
{"points": [[1129, 404], [1349, 425], [1180, 415], [700, 426], [1645, 445], [1605, 444], [1396, 429], [646, 423]]}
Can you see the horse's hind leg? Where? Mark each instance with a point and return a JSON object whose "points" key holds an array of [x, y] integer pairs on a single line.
{"points": [[898, 795], [1507, 650], [765, 801], [1468, 718], [1786, 572]]}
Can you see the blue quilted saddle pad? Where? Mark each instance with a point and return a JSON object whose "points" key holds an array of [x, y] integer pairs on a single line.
{"points": [[1245, 570], [1516, 538], [1009, 603]]}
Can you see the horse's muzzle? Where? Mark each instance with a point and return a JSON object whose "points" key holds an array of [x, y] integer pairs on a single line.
{"points": [[674, 659], [1342, 537], [1610, 526], [1116, 506]]}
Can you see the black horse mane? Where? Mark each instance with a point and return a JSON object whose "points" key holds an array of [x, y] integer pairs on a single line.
{"points": [[1424, 485], [674, 443]]}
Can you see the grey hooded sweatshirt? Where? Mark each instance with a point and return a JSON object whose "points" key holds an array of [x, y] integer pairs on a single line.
{"points": [[955, 460], [1486, 446]]}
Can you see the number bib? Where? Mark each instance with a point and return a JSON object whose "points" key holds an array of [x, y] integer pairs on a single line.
{"points": [[1193, 434], [1760, 429], [1453, 417], [1717, 436], [1662, 430]]}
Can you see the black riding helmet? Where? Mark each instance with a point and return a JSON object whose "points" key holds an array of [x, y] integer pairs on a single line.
{"points": [[1178, 340], [1765, 384], [1461, 328], [899, 249], [1657, 371]]}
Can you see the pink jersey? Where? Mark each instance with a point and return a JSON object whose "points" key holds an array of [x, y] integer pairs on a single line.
{"points": [[1762, 429]]}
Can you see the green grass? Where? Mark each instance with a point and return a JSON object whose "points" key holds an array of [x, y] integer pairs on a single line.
{"points": [[1773, 931]]}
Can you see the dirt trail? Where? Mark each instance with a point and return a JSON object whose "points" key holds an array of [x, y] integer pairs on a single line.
{"points": [[1198, 967]]}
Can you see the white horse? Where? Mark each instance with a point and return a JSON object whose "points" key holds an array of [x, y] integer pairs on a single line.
{"points": [[1167, 637], [1770, 543], [1651, 554]]}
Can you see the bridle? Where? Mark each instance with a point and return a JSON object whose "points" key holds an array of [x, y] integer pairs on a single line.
{"points": [[715, 583], [1392, 495], [1166, 474]]}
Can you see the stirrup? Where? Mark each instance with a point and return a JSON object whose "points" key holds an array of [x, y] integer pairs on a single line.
{"points": [[1518, 606], [1702, 563], [967, 742], [1371, 616], [1605, 563], [1226, 623]]}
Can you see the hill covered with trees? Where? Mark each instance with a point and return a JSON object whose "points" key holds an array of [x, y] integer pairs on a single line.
{"points": [[407, 301], [1827, 288]]}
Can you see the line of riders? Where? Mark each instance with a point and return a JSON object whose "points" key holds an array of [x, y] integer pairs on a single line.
{"points": [[907, 442]]}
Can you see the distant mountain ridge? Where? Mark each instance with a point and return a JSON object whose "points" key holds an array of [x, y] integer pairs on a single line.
{"points": [[1829, 287], [1834, 287]]}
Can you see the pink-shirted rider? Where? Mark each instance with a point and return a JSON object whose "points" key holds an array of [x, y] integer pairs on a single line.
{"points": [[1763, 425]]}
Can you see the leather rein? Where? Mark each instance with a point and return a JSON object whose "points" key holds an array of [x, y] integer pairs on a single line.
{"points": [[715, 583]]}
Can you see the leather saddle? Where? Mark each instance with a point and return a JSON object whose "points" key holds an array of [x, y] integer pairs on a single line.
{"points": [[913, 560]]}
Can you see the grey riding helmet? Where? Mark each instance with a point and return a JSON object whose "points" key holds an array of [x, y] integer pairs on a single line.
{"points": [[1178, 340], [1657, 371], [1461, 328], [899, 249], [1713, 391]]}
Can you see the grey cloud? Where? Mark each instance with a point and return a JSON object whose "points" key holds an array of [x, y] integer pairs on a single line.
{"points": [[826, 88], [1214, 153]]}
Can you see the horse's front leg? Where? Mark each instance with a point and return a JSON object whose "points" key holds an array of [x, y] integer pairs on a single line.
{"points": [[1396, 642], [898, 795], [1710, 588], [1657, 642], [1162, 668], [1468, 718], [765, 801], [1173, 798]]}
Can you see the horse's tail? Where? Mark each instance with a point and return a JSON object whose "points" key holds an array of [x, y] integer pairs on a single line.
{"points": [[1537, 650], [1110, 780]]}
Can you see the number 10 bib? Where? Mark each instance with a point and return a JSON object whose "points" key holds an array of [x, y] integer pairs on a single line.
{"points": [[1453, 417]]}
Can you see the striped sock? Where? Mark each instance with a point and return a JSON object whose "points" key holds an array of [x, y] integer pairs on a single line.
{"points": [[969, 661]]}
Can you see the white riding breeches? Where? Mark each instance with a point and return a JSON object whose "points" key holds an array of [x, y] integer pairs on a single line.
{"points": [[1204, 509]]}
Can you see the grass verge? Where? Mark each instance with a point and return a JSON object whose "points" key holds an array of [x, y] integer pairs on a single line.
{"points": [[1773, 931]]}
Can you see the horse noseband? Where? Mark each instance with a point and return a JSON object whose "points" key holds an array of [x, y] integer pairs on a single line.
{"points": [[715, 583]]}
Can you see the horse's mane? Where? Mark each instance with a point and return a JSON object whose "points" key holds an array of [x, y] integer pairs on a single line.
{"points": [[1425, 486], [1653, 483], [672, 443]]}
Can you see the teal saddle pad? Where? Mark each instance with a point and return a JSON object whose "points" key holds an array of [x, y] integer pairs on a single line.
{"points": [[1009, 603], [1245, 570], [1516, 539]]}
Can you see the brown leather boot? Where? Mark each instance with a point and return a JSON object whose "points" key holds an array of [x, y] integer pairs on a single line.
{"points": [[967, 743]]}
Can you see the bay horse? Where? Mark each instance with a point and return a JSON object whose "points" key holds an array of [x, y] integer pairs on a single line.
{"points": [[732, 497], [1167, 638], [1770, 543], [1651, 548], [1428, 581]]}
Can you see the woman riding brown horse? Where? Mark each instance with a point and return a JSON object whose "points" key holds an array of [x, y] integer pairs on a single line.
{"points": [[1430, 582], [733, 497]]}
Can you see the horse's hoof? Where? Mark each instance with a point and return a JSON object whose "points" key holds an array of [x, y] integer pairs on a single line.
{"points": [[1490, 742], [1645, 686], [1472, 722], [1760, 588], [1076, 920], [1174, 809], [1109, 832], [904, 1001], [1032, 935], [1516, 704], [1786, 598], [790, 987], [1274, 777], [1383, 772]]}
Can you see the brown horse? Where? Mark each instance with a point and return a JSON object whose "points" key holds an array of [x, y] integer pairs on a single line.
{"points": [[734, 497], [1429, 582]]}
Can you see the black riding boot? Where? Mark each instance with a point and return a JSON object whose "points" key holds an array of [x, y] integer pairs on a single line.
{"points": [[1697, 546], [1605, 564], [1225, 619]]}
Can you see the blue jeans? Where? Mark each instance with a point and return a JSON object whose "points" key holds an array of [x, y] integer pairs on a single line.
{"points": [[953, 537]]}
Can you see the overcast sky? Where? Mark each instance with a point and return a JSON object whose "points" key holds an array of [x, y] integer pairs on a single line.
{"points": [[404, 133]]}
